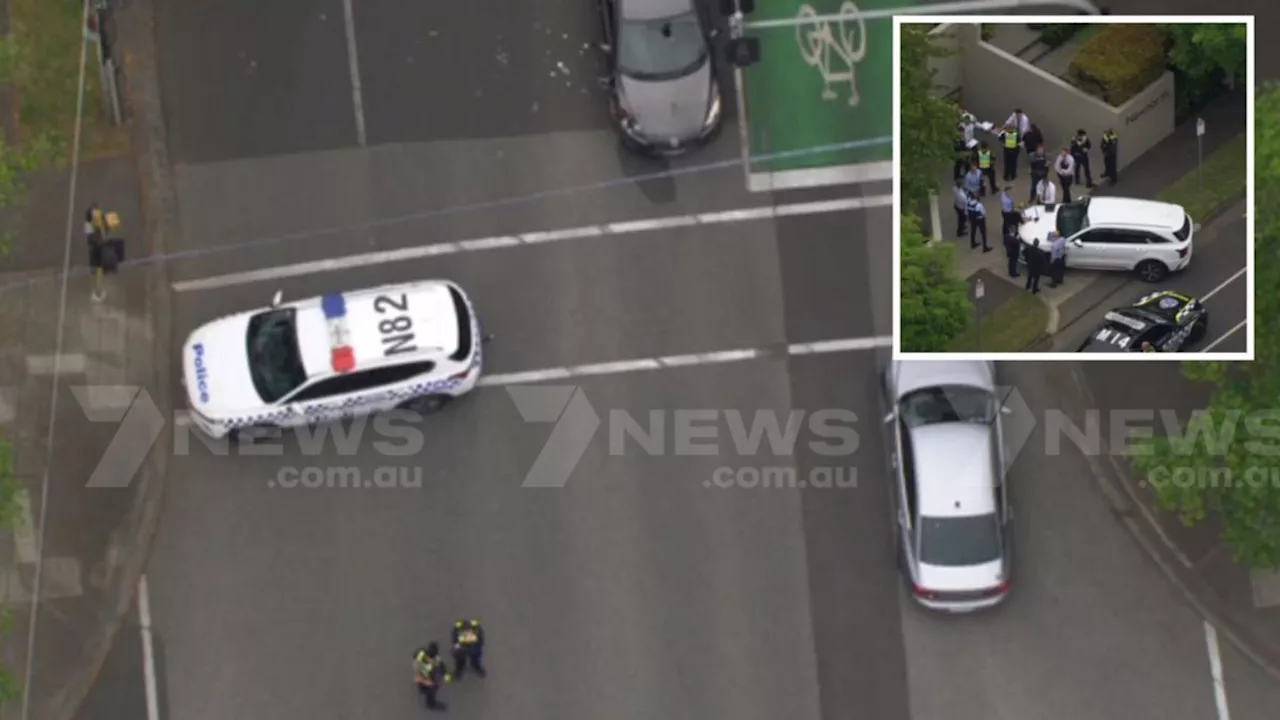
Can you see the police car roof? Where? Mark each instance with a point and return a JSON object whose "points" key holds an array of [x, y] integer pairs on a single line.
{"points": [[385, 325]]}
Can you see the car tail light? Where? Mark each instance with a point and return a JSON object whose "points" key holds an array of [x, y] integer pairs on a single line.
{"points": [[1001, 589], [924, 593], [1183, 252], [461, 376]]}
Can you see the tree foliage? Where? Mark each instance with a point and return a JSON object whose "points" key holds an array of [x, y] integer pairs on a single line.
{"points": [[934, 305], [1229, 455], [1201, 48], [927, 122]]}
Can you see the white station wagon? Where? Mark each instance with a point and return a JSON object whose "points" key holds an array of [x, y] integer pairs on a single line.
{"points": [[414, 345], [1148, 237]]}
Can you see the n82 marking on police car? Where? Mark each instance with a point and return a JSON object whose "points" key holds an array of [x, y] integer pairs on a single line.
{"points": [[397, 327]]}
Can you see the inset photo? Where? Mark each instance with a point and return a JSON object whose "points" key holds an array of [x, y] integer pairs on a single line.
{"points": [[1078, 188]]}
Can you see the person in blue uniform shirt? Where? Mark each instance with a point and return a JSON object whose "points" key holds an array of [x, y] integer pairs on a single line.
{"points": [[977, 223], [961, 200], [468, 647], [1009, 215], [973, 180]]}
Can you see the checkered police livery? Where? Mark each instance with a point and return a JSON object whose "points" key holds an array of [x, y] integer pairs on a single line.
{"points": [[340, 355]]}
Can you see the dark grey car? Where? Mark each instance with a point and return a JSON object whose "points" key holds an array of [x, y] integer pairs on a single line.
{"points": [[662, 81]]}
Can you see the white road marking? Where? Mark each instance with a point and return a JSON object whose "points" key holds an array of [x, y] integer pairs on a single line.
{"points": [[148, 652], [1215, 671], [74, 363], [353, 62], [628, 227], [1225, 335], [803, 178], [1225, 283], [667, 362], [24, 530]]}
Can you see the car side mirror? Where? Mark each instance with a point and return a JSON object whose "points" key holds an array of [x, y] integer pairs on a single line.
{"points": [[1077, 242], [277, 298]]}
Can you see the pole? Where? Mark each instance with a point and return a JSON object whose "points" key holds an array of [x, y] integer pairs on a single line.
{"points": [[1200, 152], [978, 292]]}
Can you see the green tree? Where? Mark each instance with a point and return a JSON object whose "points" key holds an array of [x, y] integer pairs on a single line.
{"points": [[934, 305], [1229, 438], [1201, 48], [928, 122]]}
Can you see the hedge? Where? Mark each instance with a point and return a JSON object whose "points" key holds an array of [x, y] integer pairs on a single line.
{"points": [[1119, 62]]}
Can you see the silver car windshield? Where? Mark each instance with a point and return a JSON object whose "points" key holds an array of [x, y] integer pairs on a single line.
{"points": [[959, 541], [275, 362], [661, 49], [948, 404]]}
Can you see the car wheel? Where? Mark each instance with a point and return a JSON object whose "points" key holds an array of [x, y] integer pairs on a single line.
{"points": [[1199, 330], [427, 404], [1152, 270]]}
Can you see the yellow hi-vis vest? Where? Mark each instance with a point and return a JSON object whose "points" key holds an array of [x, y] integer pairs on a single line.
{"points": [[1011, 139], [984, 159]]}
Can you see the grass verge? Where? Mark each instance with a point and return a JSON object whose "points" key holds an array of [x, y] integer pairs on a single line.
{"points": [[1014, 326], [1225, 173], [9, 510], [42, 62]]}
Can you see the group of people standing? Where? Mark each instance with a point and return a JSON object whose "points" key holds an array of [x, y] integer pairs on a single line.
{"points": [[975, 171]]}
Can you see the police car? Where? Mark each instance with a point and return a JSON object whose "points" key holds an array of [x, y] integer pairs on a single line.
{"points": [[414, 346], [1168, 320]]}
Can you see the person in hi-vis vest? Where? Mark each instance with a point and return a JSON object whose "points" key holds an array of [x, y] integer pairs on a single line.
{"points": [[986, 163], [1010, 139]]}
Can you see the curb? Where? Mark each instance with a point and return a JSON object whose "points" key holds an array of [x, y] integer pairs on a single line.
{"points": [[131, 542], [1136, 517]]}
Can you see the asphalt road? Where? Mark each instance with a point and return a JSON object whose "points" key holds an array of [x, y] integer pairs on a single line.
{"points": [[1214, 276], [636, 591]]}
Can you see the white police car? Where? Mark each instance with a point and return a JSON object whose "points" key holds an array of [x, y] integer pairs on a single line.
{"points": [[414, 345]]}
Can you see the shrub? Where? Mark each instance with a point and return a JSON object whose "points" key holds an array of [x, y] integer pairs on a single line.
{"points": [[1055, 35], [1119, 62]]}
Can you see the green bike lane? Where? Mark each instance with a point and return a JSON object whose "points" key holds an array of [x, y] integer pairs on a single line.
{"points": [[820, 96]]}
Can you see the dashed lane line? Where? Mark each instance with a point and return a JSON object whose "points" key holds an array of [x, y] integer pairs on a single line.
{"points": [[607, 230]]}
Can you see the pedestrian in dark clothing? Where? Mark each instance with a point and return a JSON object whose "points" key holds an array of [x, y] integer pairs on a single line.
{"points": [[963, 154], [1110, 151], [1057, 258], [1065, 165], [977, 223], [1039, 170], [1012, 248], [1009, 214], [428, 674], [1036, 262], [1080, 147], [468, 646], [961, 200], [1033, 139]]}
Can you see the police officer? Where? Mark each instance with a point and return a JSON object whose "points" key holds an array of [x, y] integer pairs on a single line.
{"points": [[1039, 171], [977, 223], [961, 200], [1032, 138], [1065, 165], [429, 673], [1036, 262], [1011, 138], [963, 155], [1012, 246], [1080, 147], [973, 181], [1110, 150], [1009, 214], [468, 645], [986, 166]]}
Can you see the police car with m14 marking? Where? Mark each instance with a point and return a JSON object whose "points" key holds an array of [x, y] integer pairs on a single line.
{"points": [[414, 346], [1164, 321]]}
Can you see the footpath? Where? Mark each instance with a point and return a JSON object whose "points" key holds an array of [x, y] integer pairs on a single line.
{"points": [[1243, 604], [70, 567], [1082, 291]]}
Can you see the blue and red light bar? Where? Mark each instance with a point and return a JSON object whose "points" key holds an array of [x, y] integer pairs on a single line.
{"points": [[343, 356]]}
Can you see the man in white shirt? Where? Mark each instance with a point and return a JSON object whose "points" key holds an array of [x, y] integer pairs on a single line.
{"points": [[1046, 193], [1019, 120], [1066, 167]]}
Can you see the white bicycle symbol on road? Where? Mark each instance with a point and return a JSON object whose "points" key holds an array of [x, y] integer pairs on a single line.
{"points": [[847, 43]]}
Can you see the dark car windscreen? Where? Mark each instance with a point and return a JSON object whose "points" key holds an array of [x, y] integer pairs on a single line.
{"points": [[275, 362], [662, 49], [1073, 217], [951, 403], [959, 541], [1185, 231]]}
